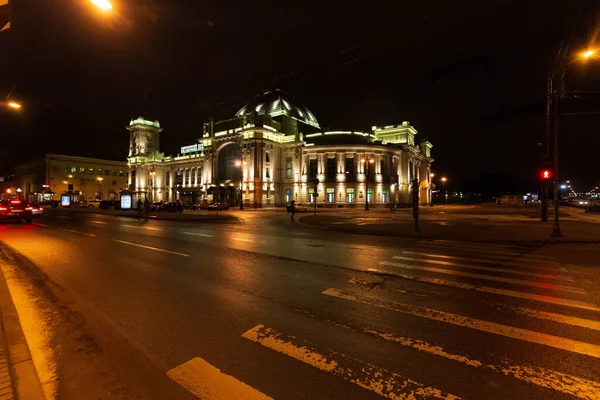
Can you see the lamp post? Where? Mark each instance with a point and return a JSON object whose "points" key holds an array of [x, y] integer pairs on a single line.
{"points": [[152, 175], [241, 164], [366, 163], [444, 190], [100, 179], [555, 96]]}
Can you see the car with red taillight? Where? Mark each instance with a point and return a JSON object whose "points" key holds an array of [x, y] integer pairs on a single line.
{"points": [[15, 210]]}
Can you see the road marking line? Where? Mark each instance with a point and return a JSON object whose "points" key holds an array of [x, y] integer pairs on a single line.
{"points": [[151, 229], [96, 222], [500, 261], [487, 289], [490, 251], [130, 226], [40, 224], [242, 240], [547, 378], [197, 234], [564, 319], [80, 233], [550, 286], [482, 268], [384, 383], [151, 248], [208, 382], [545, 339], [488, 245]]}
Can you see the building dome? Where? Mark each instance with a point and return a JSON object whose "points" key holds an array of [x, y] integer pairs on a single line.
{"points": [[144, 121], [275, 103]]}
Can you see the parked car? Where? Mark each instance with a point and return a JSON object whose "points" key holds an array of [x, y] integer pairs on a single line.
{"points": [[157, 206], [301, 208], [37, 210], [83, 204], [200, 206], [16, 210], [218, 206]]}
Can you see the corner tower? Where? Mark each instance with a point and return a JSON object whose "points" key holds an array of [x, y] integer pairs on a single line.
{"points": [[143, 136]]}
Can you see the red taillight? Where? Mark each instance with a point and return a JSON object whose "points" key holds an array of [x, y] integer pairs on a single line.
{"points": [[3, 209], [15, 202], [41, 208], [29, 208]]}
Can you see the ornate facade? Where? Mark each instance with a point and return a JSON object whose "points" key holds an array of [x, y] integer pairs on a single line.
{"points": [[273, 151]]}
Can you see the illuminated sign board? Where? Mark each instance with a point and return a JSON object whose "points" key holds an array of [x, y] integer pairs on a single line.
{"points": [[65, 201], [193, 148], [126, 202], [45, 186]]}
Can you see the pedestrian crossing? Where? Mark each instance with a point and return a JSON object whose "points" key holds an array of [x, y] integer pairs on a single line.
{"points": [[506, 320]]}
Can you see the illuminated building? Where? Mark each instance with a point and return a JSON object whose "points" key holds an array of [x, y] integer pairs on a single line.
{"points": [[274, 150], [45, 178]]}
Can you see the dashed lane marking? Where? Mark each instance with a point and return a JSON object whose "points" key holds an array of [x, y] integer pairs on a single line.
{"points": [[242, 240], [208, 382], [556, 342], [542, 285], [197, 234], [40, 224], [486, 289], [97, 222], [78, 232], [385, 383], [482, 268], [151, 248]]}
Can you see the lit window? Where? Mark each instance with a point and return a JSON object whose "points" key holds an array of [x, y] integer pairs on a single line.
{"points": [[350, 195], [330, 195]]}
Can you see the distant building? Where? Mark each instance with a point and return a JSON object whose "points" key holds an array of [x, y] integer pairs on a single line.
{"points": [[272, 151], [45, 178]]}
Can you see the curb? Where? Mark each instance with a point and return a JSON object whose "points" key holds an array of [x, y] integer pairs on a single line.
{"points": [[25, 379], [211, 219]]}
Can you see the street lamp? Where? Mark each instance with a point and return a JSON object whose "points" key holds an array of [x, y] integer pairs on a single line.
{"points": [[555, 96], [444, 189], [102, 4], [14, 105], [371, 161], [152, 174], [241, 164], [100, 179]]}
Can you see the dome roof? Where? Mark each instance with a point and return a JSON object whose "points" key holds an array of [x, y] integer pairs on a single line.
{"points": [[144, 121], [276, 103]]}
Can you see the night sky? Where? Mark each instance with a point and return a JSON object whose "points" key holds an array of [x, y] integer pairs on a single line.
{"points": [[469, 75]]}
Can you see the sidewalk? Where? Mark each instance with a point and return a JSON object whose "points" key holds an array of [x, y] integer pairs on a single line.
{"points": [[468, 224], [18, 377]]}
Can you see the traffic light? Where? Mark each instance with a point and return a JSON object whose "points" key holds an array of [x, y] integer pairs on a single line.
{"points": [[546, 174]]}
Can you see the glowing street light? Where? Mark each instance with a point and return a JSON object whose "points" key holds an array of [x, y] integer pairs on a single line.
{"points": [[102, 4], [371, 161], [239, 163], [444, 179], [588, 53], [14, 104]]}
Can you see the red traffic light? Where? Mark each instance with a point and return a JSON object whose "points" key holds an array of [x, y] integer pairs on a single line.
{"points": [[546, 174]]}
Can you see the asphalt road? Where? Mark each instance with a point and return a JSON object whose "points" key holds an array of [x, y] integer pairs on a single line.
{"points": [[272, 308]]}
